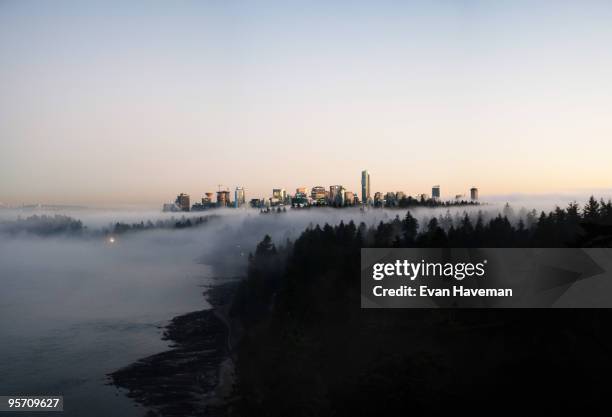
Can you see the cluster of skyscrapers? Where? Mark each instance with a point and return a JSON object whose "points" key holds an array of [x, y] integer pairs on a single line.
{"points": [[223, 199], [335, 196]]}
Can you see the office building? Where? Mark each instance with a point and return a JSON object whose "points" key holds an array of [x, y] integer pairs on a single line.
{"points": [[339, 199], [378, 199], [207, 200], [349, 198], [390, 199], [474, 194], [435, 192], [257, 203], [207, 203], [336, 195], [182, 201], [318, 194], [280, 194], [365, 187], [223, 198], [300, 200], [239, 197]]}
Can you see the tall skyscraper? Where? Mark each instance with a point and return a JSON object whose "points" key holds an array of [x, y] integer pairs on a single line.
{"points": [[474, 193], [239, 197], [435, 192], [365, 187]]}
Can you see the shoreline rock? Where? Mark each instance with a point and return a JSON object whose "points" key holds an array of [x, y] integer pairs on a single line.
{"points": [[196, 376]]}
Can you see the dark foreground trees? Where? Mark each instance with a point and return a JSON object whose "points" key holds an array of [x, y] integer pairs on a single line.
{"points": [[309, 349]]}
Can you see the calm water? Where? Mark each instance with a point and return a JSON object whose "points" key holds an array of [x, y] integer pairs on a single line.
{"points": [[73, 310]]}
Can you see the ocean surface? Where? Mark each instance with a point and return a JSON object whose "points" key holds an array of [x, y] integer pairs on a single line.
{"points": [[73, 310]]}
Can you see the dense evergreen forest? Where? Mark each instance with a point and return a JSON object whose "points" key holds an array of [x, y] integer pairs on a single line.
{"points": [[309, 349]]}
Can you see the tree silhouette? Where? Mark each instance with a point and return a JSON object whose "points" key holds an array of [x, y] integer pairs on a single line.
{"points": [[309, 345]]}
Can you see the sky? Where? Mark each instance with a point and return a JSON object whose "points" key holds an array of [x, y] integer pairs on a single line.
{"points": [[133, 102]]}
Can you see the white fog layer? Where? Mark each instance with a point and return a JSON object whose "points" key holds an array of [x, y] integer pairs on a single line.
{"points": [[74, 307]]}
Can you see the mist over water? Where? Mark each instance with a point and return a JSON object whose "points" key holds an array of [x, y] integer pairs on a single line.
{"points": [[74, 308]]}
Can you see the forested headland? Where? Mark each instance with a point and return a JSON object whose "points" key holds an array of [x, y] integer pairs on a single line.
{"points": [[309, 349]]}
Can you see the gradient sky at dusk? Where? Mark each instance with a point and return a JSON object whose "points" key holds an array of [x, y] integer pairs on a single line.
{"points": [[133, 102]]}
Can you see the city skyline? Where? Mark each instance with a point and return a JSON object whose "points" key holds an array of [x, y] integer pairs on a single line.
{"points": [[318, 195], [109, 103], [337, 194]]}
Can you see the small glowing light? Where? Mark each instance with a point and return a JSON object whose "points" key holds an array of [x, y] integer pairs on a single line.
{"points": [[111, 239]]}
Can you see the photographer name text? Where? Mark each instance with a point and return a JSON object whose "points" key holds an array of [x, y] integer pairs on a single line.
{"points": [[458, 271]]}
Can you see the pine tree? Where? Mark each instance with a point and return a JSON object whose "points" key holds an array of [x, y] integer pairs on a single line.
{"points": [[409, 229], [591, 210]]}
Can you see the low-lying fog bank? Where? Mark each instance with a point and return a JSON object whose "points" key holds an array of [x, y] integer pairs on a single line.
{"points": [[105, 220], [75, 306]]}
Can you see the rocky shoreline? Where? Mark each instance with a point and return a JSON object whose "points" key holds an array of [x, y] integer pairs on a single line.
{"points": [[196, 376]]}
